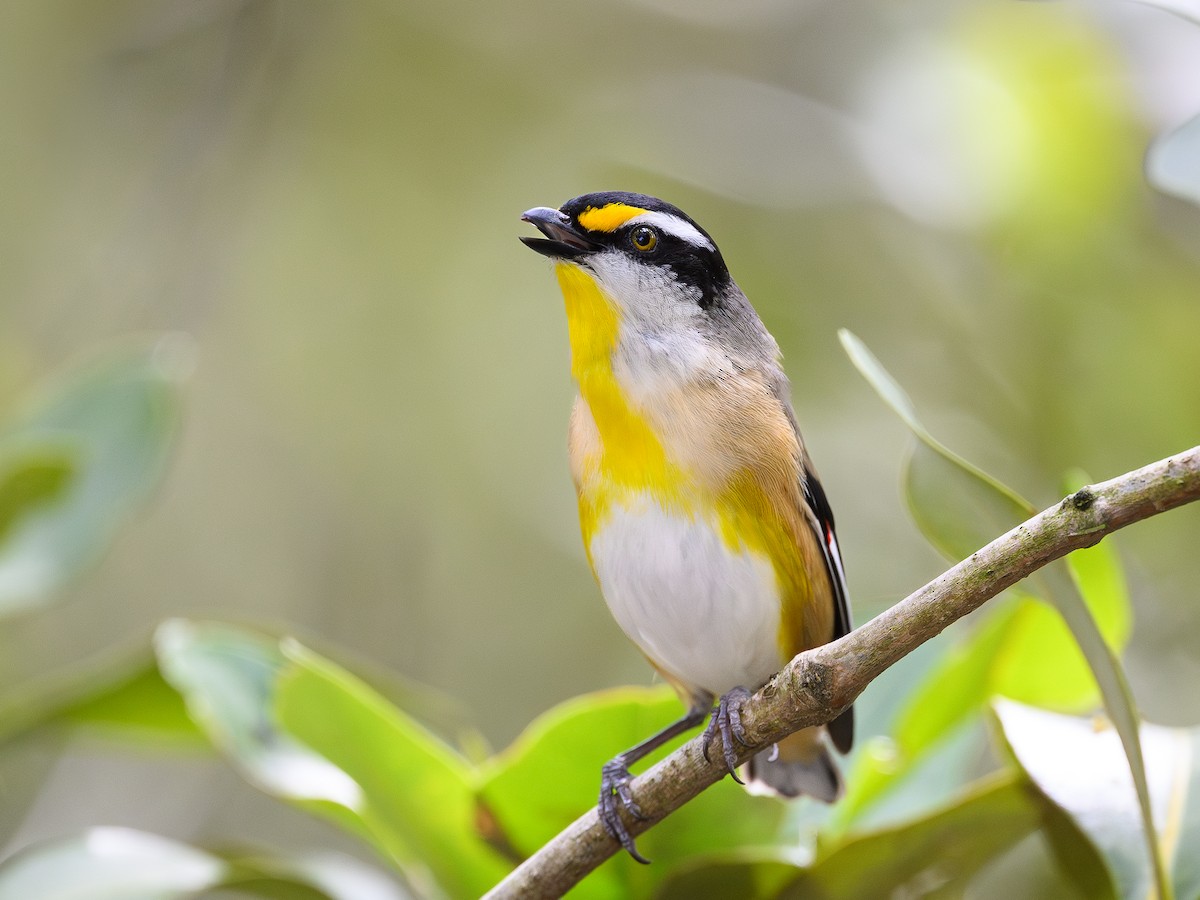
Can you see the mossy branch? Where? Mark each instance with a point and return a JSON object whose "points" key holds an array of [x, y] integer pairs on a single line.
{"points": [[818, 684]]}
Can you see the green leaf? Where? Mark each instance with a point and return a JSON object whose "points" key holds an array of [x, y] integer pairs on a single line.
{"points": [[133, 865], [936, 855], [960, 508], [110, 862], [418, 795], [1041, 663], [1023, 650], [565, 747], [950, 694], [140, 708], [550, 776], [949, 536], [1080, 766], [1122, 711], [304, 730], [332, 875], [746, 876], [73, 467], [937, 852], [33, 478], [125, 699], [887, 387], [227, 678], [957, 506]]}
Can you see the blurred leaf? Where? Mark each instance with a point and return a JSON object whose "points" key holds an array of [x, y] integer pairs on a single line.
{"points": [[417, 794], [1040, 661], [935, 855], [1042, 664], [133, 865], [1033, 870], [881, 380], [110, 862], [1173, 160], [550, 776], [954, 691], [126, 699], [334, 875], [744, 875], [1080, 766], [142, 707], [958, 507], [945, 532], [1021, 649], [1185, 9], [306, 731], [565, 747], [35, 480], [73, 467], [1121, 709], [263, 887], [446, 716], [227, 677]]}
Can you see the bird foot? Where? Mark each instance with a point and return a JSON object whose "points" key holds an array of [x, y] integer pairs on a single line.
{"points": [[614, 794], [726, 723]]}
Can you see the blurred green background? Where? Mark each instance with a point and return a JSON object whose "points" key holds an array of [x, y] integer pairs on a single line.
{"points": [[324, 198]]}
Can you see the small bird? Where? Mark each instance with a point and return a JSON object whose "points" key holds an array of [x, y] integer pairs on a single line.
{"points": [[703, 521]]}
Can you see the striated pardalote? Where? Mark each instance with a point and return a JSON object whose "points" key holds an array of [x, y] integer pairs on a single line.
{"points": [[708, 532]]}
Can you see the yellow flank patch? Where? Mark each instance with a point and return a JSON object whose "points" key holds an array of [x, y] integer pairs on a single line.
{"points": [[608, 218], [750, 519]]}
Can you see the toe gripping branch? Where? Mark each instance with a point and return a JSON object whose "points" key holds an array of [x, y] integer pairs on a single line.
{"points": [[725, 723], [615, 778], [615, 795]]}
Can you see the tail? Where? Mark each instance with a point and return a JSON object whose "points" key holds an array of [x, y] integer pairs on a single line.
{"points": [[802, 764]]}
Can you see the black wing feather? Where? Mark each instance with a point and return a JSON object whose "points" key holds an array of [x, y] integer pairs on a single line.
{"points": [[841, 729]]}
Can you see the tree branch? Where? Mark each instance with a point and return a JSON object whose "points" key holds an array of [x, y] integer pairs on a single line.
{"points": [[818, 684]]}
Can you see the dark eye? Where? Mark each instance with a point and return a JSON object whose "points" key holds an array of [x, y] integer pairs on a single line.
{"points": [[643, 239]]}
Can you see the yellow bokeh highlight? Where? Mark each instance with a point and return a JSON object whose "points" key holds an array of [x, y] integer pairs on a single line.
{"points": [[1043, 117]]}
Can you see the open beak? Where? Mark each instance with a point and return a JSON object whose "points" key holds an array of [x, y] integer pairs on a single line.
{"points": [[562, 240]]}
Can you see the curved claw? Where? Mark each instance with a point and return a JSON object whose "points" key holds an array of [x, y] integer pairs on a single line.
{"points": [[726, 721], [614, 794]]}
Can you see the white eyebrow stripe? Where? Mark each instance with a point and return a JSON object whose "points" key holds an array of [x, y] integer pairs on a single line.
{"points": [[675, 226]]}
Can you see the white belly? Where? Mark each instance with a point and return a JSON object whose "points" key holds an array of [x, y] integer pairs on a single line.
{"points": [[705, 613]]}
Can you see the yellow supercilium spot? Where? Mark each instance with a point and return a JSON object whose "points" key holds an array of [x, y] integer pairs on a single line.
{"points": [[608, 218]]}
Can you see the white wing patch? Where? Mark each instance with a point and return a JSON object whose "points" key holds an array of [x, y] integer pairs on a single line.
{"points": [[703, 612]]}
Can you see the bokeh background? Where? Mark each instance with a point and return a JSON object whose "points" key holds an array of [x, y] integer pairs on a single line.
{"points": [[324, 199]]}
